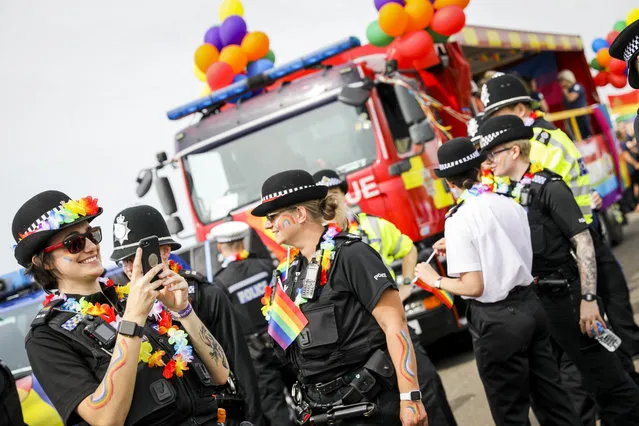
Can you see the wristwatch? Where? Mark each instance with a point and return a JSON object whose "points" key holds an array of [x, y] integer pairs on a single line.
{"points": [[438, 282], [130, 329], [589, 297], [407, 281], [411, 396]]}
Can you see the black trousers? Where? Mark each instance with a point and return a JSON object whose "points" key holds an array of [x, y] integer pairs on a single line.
{"points": [[272, 382], [603, 375], [511, 340]]}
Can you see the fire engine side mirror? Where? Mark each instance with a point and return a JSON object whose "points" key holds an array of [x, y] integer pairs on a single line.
{"points": [[421, 132], [411, 110], [144, 180], [354, 96], [165, 194]]}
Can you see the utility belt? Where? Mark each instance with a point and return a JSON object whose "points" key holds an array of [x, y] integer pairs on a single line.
{"points": [[351, 395], [517, 292], [556, 282], [258, 343]]}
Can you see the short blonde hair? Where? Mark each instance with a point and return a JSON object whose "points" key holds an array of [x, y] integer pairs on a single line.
{"points": [[524, 146], [567, 75]]}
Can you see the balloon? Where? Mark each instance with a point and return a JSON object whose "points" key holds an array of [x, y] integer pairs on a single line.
{"points": [[601, 79], [603, 57], [205, 56], [376, 36], [212, 36], [619, 26], [219, 75], [443, 3], [437, 38], [595, 65], [612, 35], [233, 30], [380, 3], [258, 67], [420, 14], [230, 7], [393, 19], [632, 16], [415, 45], [448, 20], [618, 81], [255, 45], [270, 56], [199, 74], [617, 67], [598, 44], [247, 95], [235, 57]]}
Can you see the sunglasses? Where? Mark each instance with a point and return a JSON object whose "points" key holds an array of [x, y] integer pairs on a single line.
{"points": [[76, 243]]}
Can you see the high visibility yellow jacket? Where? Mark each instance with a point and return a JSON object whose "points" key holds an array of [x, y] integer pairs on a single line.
{"points": [[555, 151]]}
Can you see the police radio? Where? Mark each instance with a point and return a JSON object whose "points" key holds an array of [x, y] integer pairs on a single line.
{"points": [[309, 285]]}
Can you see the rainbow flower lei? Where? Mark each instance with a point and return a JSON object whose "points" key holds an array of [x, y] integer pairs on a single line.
{"points": [[501, 185], [235, 258], [67, 213]]}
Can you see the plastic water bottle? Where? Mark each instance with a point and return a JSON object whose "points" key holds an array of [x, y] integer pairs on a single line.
{"points": [[607, 338]]}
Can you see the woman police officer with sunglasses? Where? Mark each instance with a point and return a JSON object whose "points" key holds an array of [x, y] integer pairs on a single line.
{"points": [[106, 354]]}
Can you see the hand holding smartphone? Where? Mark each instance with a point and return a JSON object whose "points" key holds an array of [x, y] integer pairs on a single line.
{"points": [[150, 254]]}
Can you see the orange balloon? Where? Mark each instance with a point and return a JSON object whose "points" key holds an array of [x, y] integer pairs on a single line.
{"points": [[393, 19], [205, 56], [420, 13], [235, 57], [443, 3], [603, 57], [255, 45]]}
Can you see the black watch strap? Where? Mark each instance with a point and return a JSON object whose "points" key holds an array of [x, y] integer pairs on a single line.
{"points": [[130, 329], [589, 297]]}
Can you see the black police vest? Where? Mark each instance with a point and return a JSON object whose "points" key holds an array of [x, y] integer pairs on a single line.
{"points": [[156, 400], [340, 335], [551, 249]]}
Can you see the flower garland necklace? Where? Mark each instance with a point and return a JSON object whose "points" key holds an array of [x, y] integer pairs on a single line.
{"points": [[476, 190], [502, 185], [244, 254]]}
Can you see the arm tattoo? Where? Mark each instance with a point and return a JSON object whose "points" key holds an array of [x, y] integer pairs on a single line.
{"points": [[100, 398], [405, 367], [585, 252], [215, 350]]}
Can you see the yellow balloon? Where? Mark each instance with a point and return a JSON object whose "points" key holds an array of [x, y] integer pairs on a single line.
{"points": [[206, 90], [230, 7], [632, 16], [199, 74]]}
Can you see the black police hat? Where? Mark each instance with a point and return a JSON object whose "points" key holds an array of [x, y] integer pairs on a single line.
{"points": [[135, 223], [503, 90], [330, 179], [286, 189], [43, 216], [457, 156], [626, 48], [503, 129], [472, 127]]}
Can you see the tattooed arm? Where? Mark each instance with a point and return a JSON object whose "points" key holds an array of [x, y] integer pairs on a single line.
{"points": [[207, 348], [390, 316], [587, 264]]}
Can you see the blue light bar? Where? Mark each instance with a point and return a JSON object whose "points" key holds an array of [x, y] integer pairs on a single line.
{"points": [[269, 77]]}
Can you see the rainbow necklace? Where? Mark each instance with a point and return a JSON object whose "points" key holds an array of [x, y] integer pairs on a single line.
{"points": [[244, 254], [475, 191], [502, 185]]}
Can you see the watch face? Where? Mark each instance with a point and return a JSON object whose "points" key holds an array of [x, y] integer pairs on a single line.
{"points": [[127, 328]]}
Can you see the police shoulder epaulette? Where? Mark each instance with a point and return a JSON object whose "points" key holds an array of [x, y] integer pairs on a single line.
{"points": [[45, 313], [543, 137], [194, 275]]}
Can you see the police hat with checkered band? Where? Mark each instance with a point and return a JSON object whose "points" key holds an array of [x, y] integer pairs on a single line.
{"points": [[472, 127], [503, 129], [626, 48], [330, 179], [457, 156], [503, 90], [286, 189], [228, 232]]}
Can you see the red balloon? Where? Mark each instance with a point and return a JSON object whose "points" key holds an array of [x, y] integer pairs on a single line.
{"points": [[618, 81], [415, 45], [612, 35], [448, 20], [219, 75], [617, 66], [601, 79]]}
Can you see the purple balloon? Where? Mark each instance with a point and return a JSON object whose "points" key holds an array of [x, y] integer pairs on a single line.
{"points": [[380, 3], [212, 36], [233, 30]]}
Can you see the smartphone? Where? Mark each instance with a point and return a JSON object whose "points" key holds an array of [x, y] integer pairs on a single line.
{"points": [[150, 253]]}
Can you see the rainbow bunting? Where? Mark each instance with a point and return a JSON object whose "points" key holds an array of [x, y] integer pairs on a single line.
{"points": [[445, 297], [286, 320]]}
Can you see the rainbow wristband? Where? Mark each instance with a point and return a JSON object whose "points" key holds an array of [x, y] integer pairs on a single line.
{"points": [[184, 312]]}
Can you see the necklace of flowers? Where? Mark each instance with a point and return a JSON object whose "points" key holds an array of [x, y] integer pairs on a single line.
{"points": [[533, 169], [476, 190], [235, 258]]}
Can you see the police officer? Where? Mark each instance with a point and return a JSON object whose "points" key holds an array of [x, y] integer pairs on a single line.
{"points": [[210, 303], [100, 359], [567, 287], [554, 150], [245, 277], [335, 313], [391, 244], [507, 322]]}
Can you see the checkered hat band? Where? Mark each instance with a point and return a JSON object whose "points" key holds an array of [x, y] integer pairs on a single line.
{"points": [[486, 140], [459, 162], [284, 192], [330, 182], [631, 48]]}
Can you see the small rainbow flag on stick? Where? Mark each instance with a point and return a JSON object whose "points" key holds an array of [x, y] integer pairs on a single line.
{"points": [[286, 320]]}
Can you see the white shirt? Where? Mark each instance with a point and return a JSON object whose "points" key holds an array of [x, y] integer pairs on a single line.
{"points": [[490, 233]]}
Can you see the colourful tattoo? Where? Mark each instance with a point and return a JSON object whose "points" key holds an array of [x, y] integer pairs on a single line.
{"points": [[412, 406], [405, 367], [286, 220], [100, 400]]}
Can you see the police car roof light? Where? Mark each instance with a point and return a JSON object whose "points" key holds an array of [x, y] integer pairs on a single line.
{"points": [[268, 77]]}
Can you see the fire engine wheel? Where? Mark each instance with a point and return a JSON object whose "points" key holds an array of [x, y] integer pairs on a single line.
{"points": [[611, 226]]}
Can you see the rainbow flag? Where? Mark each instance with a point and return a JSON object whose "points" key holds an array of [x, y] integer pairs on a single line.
{"points": [[286, 320], [445, 297]]}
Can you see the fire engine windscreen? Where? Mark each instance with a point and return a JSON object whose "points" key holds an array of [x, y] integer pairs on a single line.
{"points": [[334, 136]]}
